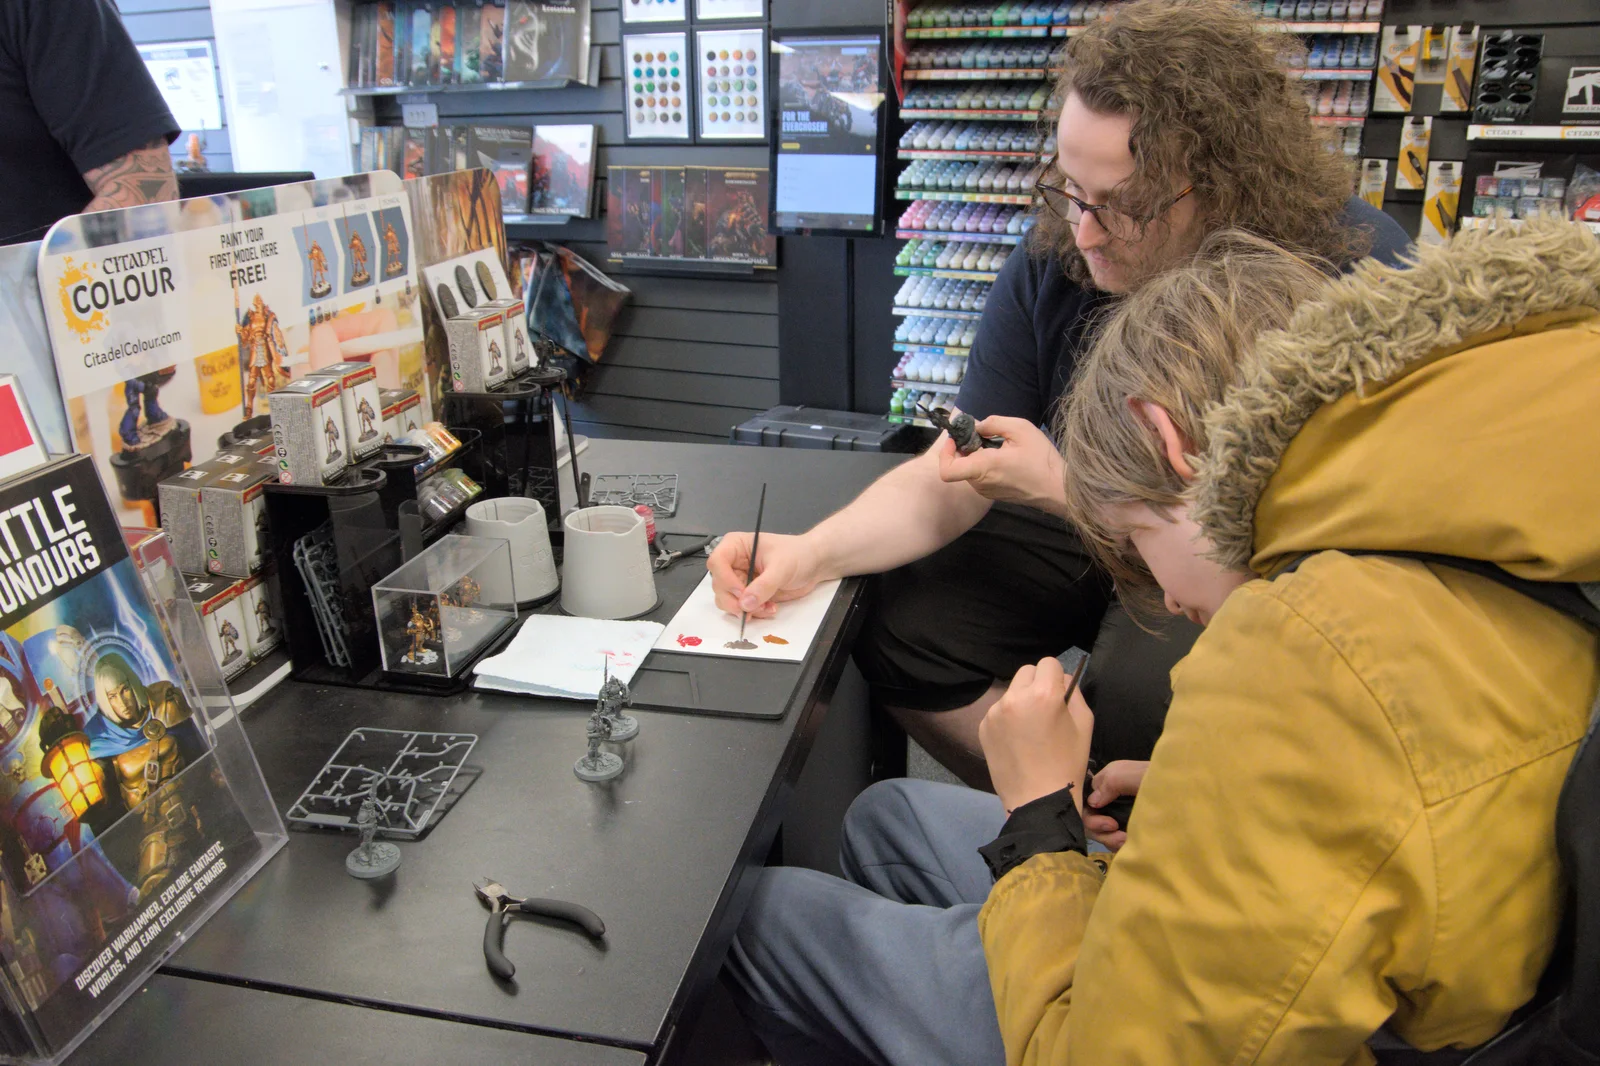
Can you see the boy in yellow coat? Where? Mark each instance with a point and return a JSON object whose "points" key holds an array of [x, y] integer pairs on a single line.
{"points": [[1349, 819]]}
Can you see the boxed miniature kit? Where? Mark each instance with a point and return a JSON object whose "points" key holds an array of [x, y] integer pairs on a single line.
{"points": [[222, 618], [519, 352], [402, 412], [358, 394], [180, 498], [233, 510], [478, 360], [260, 617], [435, 614], [308, 434]]}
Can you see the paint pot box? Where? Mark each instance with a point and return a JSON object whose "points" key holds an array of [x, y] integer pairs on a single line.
{"points": [[308, 434], [477, 350], [179, 497], [233, 511], [519, 350], [401, 412], [222, 617], [363, 410], [261, 627]]}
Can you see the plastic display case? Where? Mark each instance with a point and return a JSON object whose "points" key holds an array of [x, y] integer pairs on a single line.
{"points": [[435, 613], [130, 789]]}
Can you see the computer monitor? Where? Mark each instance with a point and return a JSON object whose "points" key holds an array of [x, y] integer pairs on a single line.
{"points": [[828, 133]]}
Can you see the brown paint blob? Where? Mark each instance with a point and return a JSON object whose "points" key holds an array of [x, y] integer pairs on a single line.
{"points": [[770, 639]]}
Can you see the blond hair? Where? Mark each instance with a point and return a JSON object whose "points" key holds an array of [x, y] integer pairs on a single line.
{"points": [[1212, 107], [1178, 342]]}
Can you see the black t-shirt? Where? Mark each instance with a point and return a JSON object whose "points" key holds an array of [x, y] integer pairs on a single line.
{"points": [[74, 96], [1037, 321]]}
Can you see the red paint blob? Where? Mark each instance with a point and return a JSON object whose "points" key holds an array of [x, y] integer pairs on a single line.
{"points": [[687, 642]]}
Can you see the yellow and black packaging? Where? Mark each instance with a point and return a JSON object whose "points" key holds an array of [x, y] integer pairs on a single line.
{"points": [[1459, 68], [1440, 202], [1412, 172], [1397, 70], [1374, 180]]}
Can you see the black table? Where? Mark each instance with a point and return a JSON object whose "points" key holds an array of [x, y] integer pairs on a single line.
{"points": [[171, 1020], [666, 854]]}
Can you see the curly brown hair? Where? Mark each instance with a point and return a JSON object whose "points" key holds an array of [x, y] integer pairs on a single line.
{"points": [[1213, 107]]}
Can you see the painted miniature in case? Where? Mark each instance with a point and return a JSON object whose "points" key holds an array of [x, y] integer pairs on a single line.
{"points": [[434, 616]]}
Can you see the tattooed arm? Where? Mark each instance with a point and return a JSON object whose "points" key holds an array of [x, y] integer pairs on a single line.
{"points": [[143, 176]]}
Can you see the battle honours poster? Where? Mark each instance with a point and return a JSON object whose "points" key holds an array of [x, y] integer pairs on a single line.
{"points": [[118, 827], [172, 322]]}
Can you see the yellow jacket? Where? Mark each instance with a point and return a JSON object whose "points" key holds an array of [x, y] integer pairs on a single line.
{"points": [[1349, 817]]}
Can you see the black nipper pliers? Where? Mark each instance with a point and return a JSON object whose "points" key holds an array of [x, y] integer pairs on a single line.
{"points": [[502, 905]]}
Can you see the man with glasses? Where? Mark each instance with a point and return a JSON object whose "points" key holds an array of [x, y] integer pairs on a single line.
{"points": [[1176, 120]]}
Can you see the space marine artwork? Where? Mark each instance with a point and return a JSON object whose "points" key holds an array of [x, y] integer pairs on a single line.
{"points": [[114, 816]]}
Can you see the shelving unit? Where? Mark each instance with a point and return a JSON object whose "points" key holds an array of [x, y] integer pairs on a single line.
{"points": [[979, 74], [936, 272], [1481, 132], [1017, 121], [950, 235], [916, 113], [928, 312], [1332, 73], [934, 153], [963, 197]]}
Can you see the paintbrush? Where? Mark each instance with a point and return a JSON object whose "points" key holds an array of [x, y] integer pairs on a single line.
{"points": [[755, 543]]}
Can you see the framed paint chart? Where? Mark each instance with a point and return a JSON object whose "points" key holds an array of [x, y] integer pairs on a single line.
{"points": [[658, 86], [655, 10], [730, 9], [732, 75]]}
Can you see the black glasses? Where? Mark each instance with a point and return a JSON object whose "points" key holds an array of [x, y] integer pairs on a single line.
{"points": [[1071, 210]]}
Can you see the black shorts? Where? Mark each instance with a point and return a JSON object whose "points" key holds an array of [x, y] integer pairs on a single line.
{"points": [[1016, 588]]}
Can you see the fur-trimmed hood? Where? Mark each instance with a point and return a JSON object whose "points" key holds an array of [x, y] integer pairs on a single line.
{"points": [[1451, 407]]}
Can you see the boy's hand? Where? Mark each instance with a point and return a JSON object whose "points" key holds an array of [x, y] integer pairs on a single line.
{"points": [[1117, 779], [1034, 741], [1025, 469], [784, 571]]}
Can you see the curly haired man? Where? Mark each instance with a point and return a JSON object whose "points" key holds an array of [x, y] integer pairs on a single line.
{"points": [[1176, 120]]}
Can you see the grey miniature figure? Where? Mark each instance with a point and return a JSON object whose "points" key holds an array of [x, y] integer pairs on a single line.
{"points": [[597, 765], [373, 858], [963, 430], [614, 696]]}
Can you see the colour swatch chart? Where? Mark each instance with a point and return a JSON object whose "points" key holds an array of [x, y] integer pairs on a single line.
{"points": [[654, 10], [733, 66], [658, 85], [730, 9]]}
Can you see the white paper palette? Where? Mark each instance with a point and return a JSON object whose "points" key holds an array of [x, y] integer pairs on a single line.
{"points": [[701, 628]]}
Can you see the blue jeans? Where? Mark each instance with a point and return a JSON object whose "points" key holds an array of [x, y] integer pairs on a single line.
{"points": [[884, 966]]}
